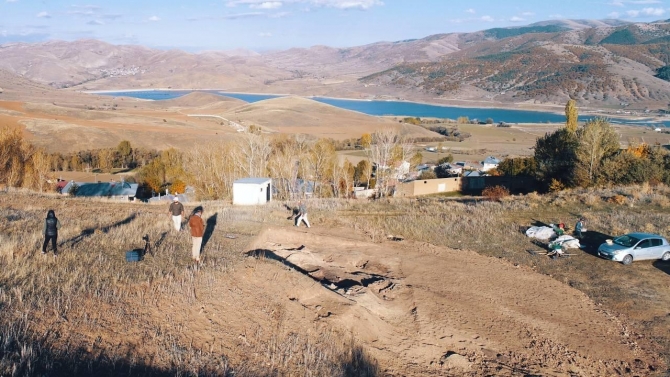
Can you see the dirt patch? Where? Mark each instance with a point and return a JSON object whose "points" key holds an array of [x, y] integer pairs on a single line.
{"points": [[415, 305]]}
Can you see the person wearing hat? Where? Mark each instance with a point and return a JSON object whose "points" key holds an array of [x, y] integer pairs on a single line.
{"points": [[176, 210]]}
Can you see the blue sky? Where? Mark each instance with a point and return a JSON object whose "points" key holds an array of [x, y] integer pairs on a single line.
{"points": [[262, 25]]}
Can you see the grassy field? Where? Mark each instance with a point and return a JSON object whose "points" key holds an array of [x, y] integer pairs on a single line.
{"points": [[89, 312]]}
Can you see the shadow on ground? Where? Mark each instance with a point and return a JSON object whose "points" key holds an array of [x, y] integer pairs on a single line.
{"points": [[663, 266], [591, 240], [209, 229], [72, 242]]}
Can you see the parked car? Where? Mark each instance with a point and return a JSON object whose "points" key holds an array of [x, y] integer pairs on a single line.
{"points": [[635, 246]]}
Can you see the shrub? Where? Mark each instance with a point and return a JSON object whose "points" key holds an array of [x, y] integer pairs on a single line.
{"points": [[427, 174], [617, 199], [495, 193], [556, 185]]}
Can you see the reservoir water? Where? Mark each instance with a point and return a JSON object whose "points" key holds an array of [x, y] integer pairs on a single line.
{"points": [[401, 108]]}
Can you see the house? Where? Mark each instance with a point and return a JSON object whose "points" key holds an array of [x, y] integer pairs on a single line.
{"points": [[658, 129], [252, 191], [113, 190], [453, 168], [490, 163], [473, 173], [427, 186]]}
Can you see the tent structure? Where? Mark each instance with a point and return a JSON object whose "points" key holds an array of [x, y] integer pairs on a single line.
{"points": [[252, 191]]}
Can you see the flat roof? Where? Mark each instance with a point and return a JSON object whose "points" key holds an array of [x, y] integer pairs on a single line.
{"points": [[253, 181]]}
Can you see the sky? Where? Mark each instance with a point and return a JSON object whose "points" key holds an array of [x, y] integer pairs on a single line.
{"points": [[266, 25]]}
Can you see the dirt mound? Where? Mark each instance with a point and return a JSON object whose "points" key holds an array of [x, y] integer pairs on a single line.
{"points": [[303, 115], [421, 309]]}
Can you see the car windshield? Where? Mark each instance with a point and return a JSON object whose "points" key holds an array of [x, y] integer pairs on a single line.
{"points": [[627, 241]]}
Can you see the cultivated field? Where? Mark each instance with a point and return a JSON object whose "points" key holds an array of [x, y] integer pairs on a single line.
{"points": [[455, 292]]}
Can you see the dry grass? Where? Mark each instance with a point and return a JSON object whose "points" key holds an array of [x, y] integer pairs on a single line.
{"points": [[50, 310], [492, 228], [89, 312]]}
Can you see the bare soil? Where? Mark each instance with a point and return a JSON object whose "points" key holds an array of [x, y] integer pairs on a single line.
{"points": [[414, 306]]}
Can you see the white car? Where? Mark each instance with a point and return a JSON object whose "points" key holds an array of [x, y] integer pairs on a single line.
{"points": [[635, 246]]}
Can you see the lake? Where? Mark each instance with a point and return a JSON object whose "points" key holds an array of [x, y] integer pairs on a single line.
{"points": [[401, 108]]}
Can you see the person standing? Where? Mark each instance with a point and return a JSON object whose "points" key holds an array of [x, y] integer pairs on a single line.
{"points": [[302, 214], [197, 225], [579, 227], [50, 231], [176, 210]]}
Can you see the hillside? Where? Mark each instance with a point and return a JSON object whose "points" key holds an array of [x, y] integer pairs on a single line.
{"points": [[605, 65], [604, 62], [353, 303], [306, 116]]}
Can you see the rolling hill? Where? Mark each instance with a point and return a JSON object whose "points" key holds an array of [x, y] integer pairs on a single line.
{"points": [[305, 116], [598, 62]]}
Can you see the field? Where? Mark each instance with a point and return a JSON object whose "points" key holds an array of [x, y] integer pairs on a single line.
{"points": [[454, 291]]}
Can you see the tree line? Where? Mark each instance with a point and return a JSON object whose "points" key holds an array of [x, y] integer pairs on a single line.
{"points": [[589, 155], [297, 165]]}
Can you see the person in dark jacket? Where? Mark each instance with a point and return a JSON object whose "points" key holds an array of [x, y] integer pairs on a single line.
{"points": [[50, 231]]}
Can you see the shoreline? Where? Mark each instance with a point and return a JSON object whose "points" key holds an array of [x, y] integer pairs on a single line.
{"points": [[481, 105]]}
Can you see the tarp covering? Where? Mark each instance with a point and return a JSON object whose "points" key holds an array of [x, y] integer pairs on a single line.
{"points": [[567, 242], [541, 232]]}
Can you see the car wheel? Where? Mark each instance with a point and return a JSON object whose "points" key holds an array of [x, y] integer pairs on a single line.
{"points": [[666, 256], [628, 259]]}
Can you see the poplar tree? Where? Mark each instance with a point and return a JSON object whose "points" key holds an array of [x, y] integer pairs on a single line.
{"points": [[571, 116]]}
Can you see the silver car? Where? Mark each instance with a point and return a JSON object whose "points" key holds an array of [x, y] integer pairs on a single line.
{"points": [[635, 246]]}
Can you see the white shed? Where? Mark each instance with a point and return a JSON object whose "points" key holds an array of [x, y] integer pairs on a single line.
{"points": [[252, 191]]}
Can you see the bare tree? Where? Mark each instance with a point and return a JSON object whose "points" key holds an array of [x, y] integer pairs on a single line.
{"points": [[597, 141]]}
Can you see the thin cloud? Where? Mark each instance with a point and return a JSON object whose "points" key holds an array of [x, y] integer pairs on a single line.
{"points": [[267, 5], [487, 19], [236, 16], [111, 16], [614, 15], [11, 1], [43, 15], [527, 14], [154, 18], [95, 22], [517, 19], [265, 35], [471, 11], [646, 12], [339, 4], [621, 3]]}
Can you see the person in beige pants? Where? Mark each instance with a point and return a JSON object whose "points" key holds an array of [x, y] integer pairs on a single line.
{"points": [[197, 225]]}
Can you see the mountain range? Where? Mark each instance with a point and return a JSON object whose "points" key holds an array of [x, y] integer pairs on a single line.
{"points": [[597, 62]]}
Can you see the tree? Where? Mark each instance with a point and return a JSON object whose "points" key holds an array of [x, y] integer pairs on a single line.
{"points": [[555, 156], [105, 160], [416, 160], [41, 164], [125, 152], [518, 166], [448, 159], [427, 174], [597, 141], [363, 172], [320, 162], [571, 116]]}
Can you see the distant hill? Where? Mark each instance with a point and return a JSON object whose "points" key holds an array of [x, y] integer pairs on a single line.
{"points": [[595, 65], [594, 61]]}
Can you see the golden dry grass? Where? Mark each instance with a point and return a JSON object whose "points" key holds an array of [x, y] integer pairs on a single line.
{"points": [[51, 309]]}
